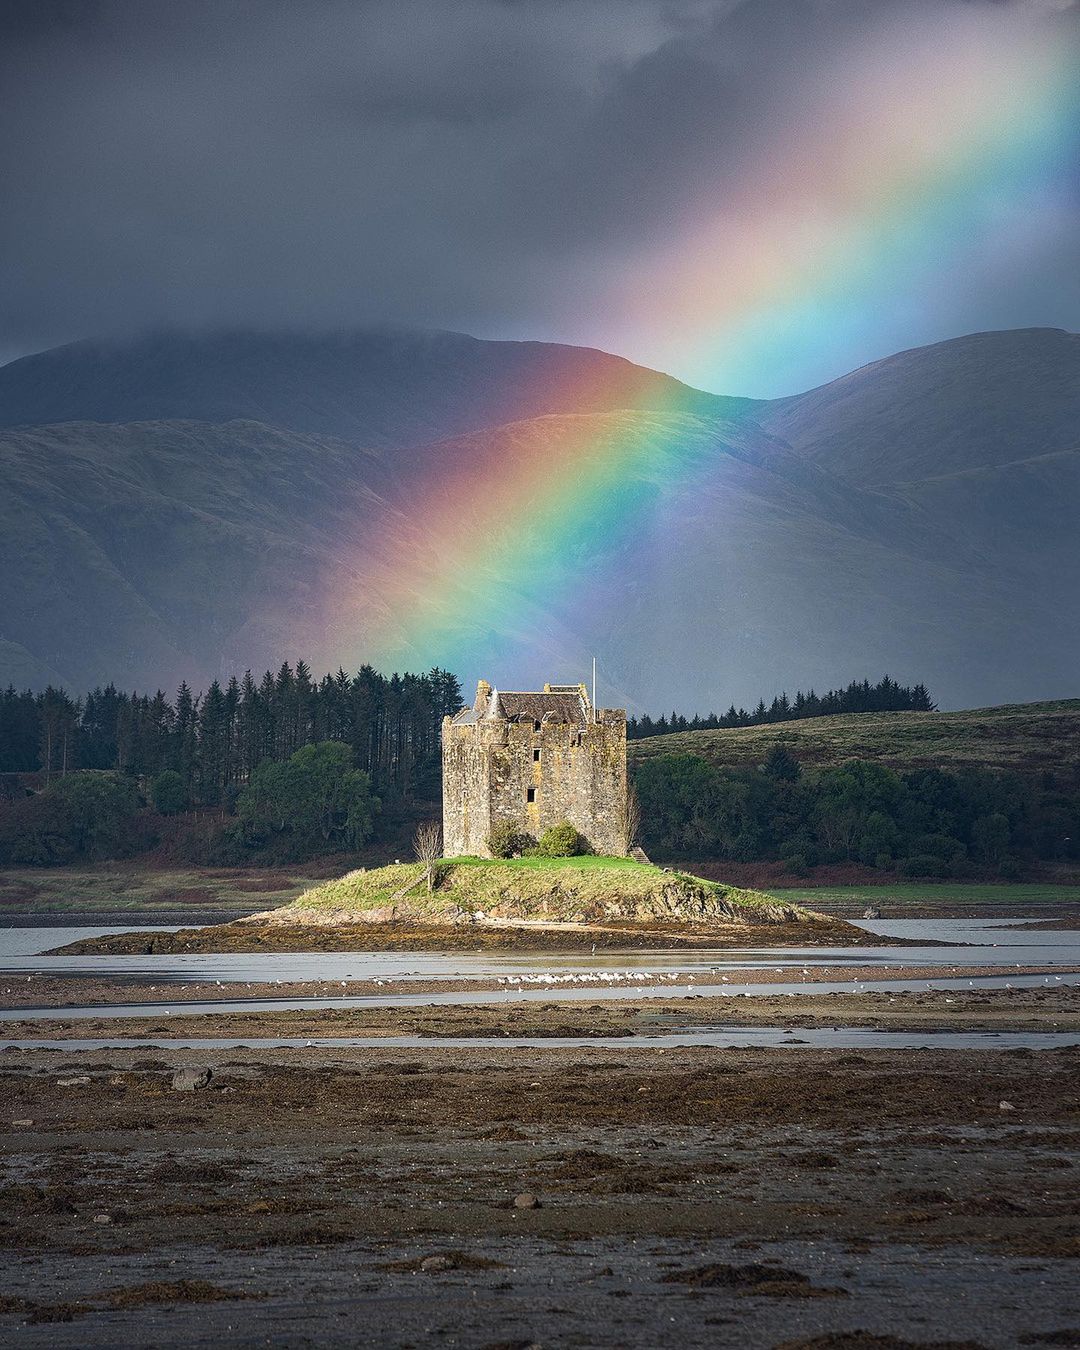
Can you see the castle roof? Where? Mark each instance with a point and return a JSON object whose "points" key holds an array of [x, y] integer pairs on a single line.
{"points": [[556, 703], [518, 706]]}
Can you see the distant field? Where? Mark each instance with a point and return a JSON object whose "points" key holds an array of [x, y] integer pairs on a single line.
{"points": [[1026, 736], [118, 887], [934, 893]]}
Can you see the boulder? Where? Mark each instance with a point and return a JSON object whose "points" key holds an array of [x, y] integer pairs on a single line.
{"points": [[190, 1080]]}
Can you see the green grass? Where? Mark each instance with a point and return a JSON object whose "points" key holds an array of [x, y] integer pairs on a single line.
{"points": [[954, 893], [569, 890], [588, 862], [125, 888], [1025, 736]]}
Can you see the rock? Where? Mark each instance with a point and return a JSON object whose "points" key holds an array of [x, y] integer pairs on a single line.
{"points": [[526, 1200], [1006, 1106], [871, 912], [190, 1080], [436, 1263], [81, 1081], [22, 1124], [102, 1218]]}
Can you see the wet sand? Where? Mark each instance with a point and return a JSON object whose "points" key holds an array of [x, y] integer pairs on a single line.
{"points": [[58, 991], [683, 1198], [506, 1198], [1045, 1008], [330, 936]]}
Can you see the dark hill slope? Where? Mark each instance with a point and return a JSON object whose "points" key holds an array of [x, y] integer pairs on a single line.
{"points": [[160, 550], [144, 551], [370, 387], [970, 403], [1025, 737]]}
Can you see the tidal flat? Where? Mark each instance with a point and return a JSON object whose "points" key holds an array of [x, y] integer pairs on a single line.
{"points": [[622, 1196]]}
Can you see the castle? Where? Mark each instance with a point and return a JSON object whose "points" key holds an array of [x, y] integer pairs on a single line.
{"points": [[534, 760]]}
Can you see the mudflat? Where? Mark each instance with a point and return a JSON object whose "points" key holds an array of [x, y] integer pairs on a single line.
{"points": [[1042, 1008], [510, 1197], [249, 935], [39, 990]]}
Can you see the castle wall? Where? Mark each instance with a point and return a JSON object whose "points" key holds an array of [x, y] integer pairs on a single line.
{"points": [[490, 766]]}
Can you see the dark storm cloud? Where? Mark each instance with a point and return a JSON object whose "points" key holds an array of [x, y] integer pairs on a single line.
{"points": [[479, 165]]}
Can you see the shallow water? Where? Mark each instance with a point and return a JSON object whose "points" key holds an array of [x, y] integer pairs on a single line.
{"points": [[985, 942], [832, 1038]]}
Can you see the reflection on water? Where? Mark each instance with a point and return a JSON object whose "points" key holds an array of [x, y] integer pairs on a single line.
{"points": [[32, 939], [833, 1038]]}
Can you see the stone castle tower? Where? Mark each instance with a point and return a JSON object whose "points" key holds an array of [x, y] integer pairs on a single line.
{"points": [[534, 759]]}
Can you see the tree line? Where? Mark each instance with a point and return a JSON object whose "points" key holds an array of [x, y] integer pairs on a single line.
{"points": [[927, 822], [859, 696], [215, 741]]}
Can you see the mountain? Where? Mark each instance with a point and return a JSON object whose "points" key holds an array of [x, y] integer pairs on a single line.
{"points": [[974, 402], [371, 387], [185, 507], [156, 551]]}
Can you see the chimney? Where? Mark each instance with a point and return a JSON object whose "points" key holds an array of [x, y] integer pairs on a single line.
{"points": [[483, 695]]}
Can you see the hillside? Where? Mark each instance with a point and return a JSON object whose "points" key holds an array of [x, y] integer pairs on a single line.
{"points": [[369, 386], [157, 551], [975, 402], [362, 506], [1026, 737]]}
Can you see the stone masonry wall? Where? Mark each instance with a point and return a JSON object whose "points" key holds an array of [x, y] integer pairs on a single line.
{"points": [[578, 774]]}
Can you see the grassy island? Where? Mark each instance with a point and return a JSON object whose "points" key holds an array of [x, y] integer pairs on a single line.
{"points": [[522, 890], [521, 903]]}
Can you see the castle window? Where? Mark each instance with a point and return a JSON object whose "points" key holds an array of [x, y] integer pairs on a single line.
{"points": [[536, 726], [536, 755], [530, 794]]}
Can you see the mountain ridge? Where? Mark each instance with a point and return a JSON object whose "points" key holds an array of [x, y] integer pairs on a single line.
{"points": [[146, 551]]}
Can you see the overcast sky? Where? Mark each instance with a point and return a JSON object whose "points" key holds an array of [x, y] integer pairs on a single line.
{"points": [[718, 189]]}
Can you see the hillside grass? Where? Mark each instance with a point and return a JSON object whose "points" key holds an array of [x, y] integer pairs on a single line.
{"points": [[977, 895], [552, 890], [127, 887], [1026, 737]]}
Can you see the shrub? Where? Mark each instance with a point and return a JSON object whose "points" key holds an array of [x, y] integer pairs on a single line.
{"points": [[1010, 869], [924, 865], [561, 841], [938, 846], [313, 802], [168, 792], [82, 815], [801, 846], [507, 841], [797, 864]]}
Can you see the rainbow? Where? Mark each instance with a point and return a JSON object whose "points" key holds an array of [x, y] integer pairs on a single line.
{"points": [[920, 162]]}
